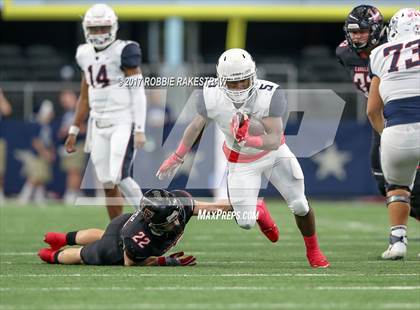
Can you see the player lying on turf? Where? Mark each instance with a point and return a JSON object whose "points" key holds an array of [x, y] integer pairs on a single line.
{"points": [[250, 152], [394, 111], [130, 239]]}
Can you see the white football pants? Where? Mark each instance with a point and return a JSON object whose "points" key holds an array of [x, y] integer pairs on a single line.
{"points": [[400, 153], [281, 168]]}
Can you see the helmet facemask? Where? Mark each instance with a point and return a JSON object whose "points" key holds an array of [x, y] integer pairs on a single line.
{"points": [[240, 96], [172, 225], [98, 39]]}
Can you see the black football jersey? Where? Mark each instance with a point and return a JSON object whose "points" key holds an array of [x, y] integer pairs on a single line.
{"points": [[140, 243], [356, 64]]}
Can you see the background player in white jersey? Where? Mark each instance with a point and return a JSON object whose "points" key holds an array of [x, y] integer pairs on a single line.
{"points": [[394, 111], [114, 110], [251, 156]]}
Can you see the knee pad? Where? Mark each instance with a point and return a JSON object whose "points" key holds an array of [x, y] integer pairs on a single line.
{"points": [[405, 198], [397, 198], [299, 207]]}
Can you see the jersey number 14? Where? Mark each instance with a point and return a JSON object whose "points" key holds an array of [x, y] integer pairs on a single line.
{"points": [[101, 78]]}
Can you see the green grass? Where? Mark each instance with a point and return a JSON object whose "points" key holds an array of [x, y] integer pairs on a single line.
{"points": [[236, 269]]}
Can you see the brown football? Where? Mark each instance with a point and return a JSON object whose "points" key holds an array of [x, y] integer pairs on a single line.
{"points": [[256, 127]]}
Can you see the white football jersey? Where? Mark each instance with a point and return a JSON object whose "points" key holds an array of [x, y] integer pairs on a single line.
{"points": [[221, 110], [397, 64], [103, 73]]}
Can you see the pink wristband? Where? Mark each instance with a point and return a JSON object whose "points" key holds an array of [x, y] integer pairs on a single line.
{"points": [[182, 150], [254, 141]]}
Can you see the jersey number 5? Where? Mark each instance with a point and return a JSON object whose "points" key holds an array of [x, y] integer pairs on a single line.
{"points": [[141, 239], [101, 77], [397, 48]]}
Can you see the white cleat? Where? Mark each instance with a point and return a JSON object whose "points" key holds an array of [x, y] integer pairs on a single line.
{"points": [[395, 251]]}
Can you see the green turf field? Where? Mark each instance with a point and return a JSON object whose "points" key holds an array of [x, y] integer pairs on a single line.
{"points": [[236, 269]]}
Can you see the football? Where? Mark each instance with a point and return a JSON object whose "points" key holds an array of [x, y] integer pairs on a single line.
{"points": [[256, 126]]}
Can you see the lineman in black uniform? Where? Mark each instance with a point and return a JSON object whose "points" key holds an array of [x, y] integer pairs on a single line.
{"points": [[364, 30], [130, 239]]}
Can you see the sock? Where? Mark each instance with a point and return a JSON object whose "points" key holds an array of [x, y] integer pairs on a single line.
{"points": [[26, 193], [55, 258], [70, 197], [399, 230], [39, 196], [131, 191], [71, 238], [2, 199], [398, 234], [311, 243]]}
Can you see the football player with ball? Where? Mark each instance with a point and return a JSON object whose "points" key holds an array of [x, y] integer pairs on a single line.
{"points": [[235, 106]]}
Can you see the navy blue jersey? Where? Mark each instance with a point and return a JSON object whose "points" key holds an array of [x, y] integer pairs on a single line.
{"points": [[140, 243], [356, 64]]}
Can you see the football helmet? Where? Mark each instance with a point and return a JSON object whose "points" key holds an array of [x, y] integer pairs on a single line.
{"points": [[162, 211], [237, 65], [365, 17], [404, 25], [100, 15]]}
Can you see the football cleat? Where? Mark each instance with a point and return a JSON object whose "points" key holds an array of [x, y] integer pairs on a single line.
{"points": [[317, 259], [55, 240], [47, 255], [266, 223], [395, 251]]}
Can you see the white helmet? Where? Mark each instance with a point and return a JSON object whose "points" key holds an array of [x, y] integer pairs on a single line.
{"points": [[236, 65], [404, 25], [100, 15]]}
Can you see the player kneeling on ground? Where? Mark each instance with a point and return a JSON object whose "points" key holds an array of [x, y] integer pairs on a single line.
{"points": [[131, 239]]}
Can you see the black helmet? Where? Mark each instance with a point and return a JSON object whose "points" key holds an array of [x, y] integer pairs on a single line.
{"points": [[162, 211], [365, 17]]}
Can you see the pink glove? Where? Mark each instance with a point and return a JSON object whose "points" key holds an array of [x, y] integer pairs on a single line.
{"points": [[239, 126], [177, 259], [169, 167]]}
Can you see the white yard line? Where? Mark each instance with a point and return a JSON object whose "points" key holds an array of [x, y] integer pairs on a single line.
{"points": [[215, 306], [18, 253], [227, 275], [207, 288], [71, 288], [371, 288]]}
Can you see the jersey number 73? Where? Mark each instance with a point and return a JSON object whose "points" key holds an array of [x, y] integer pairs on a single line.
{"points": [[397, 48]]}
